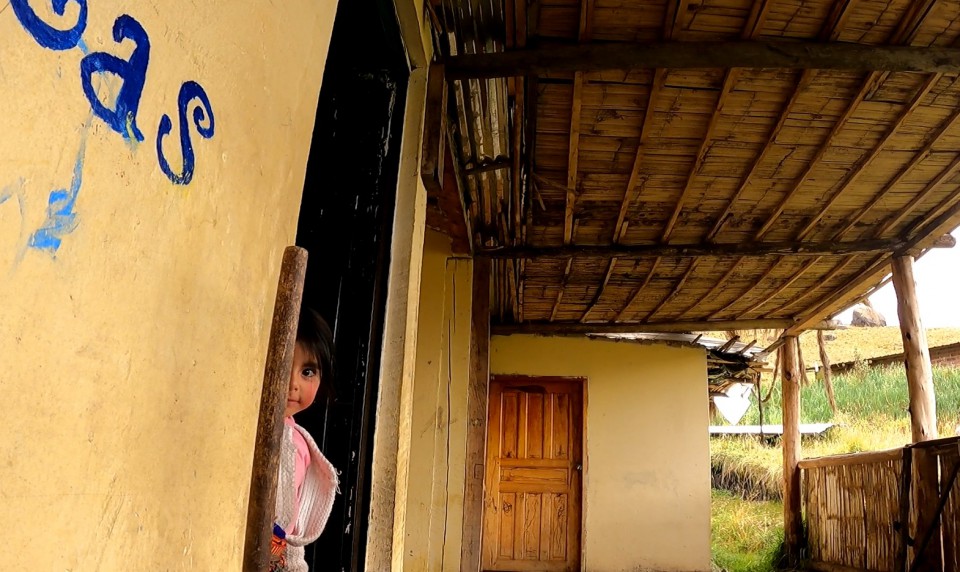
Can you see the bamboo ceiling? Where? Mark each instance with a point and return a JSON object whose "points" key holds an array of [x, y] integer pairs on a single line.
{"points": [[670, 197]]}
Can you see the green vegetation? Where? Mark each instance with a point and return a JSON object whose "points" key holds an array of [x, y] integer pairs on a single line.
{"points": [[746, 535], [872, 403]]}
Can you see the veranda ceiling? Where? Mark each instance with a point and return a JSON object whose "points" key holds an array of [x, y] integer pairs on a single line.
{"points": [[664, 198]]}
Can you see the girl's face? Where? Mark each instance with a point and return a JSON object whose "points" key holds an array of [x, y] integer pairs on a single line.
{"points": [[304, 381]]}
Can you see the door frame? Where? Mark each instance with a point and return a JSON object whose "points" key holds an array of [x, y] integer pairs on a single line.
{"points": [[532, 380]]}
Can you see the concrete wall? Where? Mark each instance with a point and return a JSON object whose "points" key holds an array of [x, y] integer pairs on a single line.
{"points": [[136, 304], [647, 469], [438, 438]]}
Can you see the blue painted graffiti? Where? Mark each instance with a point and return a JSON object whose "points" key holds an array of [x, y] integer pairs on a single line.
{"points": [[45, 34], [122, 118], [133, 72], [188, 92], [61, 219]]}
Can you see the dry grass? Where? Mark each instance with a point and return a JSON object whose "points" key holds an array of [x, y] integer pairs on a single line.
{"points": [[851, 344]]}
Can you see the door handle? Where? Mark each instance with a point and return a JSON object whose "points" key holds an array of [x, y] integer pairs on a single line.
{"points": [[579, 467]]}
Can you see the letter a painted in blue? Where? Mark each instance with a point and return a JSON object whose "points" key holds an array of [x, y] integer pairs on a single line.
{"points": [[122, 119], [45, 34]]}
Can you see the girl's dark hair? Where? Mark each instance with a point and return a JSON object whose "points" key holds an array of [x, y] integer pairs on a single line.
{"points": [[317, 338]]}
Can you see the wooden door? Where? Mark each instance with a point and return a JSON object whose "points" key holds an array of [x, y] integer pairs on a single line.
{"points": [[532, 487]]}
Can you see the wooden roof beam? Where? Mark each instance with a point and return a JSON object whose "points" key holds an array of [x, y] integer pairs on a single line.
{"points": [[716, 287], [814, 162], [563, 287], [752, 28], [830, 31], [693, 250], [789, 282], [603, 286], [851, 178], [676, 289], [749, 289], [636, 294], [573, 328], [573, 154], [554, 59]]}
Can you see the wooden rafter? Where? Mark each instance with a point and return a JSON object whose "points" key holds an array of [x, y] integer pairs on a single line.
{"points": [[636, 294], [933, 185], [576, 329], [861, 167], [670, 31], [815, 161], [870, 84], [786, 284], [750, 288], [716, 287], [870, 274], [631, 192], [603, 286], [573, 158], [560, 58], [820, 283], [688, 250], [676, 289], [752, 28], [828, 32], [563, 286]]}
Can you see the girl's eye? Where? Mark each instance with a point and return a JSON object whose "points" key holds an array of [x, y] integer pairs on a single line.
{"points": [[308, 372]]}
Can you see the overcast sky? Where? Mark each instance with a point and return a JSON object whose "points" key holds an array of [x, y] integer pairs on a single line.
{"points": [[938, 285]]}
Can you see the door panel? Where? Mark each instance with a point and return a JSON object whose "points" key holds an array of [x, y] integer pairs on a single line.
{"points": [[532, 499]]}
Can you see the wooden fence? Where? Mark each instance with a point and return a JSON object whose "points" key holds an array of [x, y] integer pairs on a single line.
{"points": [[855, 506]]}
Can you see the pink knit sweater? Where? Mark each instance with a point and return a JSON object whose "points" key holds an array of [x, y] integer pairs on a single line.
{"points": [[316, 496]]}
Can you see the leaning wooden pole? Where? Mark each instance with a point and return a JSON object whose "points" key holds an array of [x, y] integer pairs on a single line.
{"points": [[923, 407], [261, 508], [792, 522]]}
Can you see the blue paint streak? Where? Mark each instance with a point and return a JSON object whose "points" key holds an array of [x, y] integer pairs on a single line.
{"points": [[45, 34], [189, 91], [83, 47], [123, 117], [61, 219]]}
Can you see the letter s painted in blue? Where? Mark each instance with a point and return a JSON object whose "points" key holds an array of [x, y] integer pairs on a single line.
{"points": [[45, 34], [123, 119], [189, 91]]}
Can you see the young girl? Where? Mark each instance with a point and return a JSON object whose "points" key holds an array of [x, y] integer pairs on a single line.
{"points": [[307, 481]]}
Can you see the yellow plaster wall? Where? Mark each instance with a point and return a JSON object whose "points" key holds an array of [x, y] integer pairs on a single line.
{"points": [[434, 510], [647, 472], [131, 358]]}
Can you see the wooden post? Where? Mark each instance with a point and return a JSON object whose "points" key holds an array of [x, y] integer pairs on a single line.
{"points": [[477, 418], [792, 522], [923, 411], [261, 508], [923, 408]]}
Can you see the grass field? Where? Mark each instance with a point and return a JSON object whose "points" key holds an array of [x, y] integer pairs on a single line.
{"points": [[872, 415]]}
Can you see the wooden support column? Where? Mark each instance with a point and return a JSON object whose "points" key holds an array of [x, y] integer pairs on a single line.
{"points": [[792, 524], [477, 418], [923, 408]]}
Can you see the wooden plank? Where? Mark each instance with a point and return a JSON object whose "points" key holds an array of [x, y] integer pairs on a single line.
{"points": [[716, 287], [852, 459], [851, 178], [676, 289], [923, 409], [897, 217], [812, 163], [572, 158], [550, 58], [262, 503], [476, 431], [576, 328], [603, 286], [792, 523], [636, 294], [749, 289], [631, 192], [563, 286], [869, 246], [926, 496], [787, 283]]}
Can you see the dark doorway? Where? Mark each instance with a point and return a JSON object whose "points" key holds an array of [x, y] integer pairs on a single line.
{"points": [[346, 221]]}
